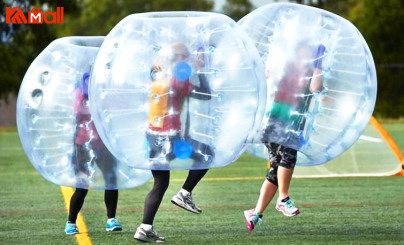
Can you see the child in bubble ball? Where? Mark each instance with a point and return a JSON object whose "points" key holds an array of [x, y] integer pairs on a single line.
{"points": [[88, 148], [292, 99], [164, 133]]}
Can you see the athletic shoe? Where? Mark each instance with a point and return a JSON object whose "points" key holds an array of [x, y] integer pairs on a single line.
{"points": [[113, 225], [71, 228], [252, 219], [151, 235], [287, 207], [185, 202]]}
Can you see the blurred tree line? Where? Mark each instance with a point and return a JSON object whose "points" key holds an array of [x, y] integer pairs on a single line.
{"points": [[20, 44], [380, 22]]}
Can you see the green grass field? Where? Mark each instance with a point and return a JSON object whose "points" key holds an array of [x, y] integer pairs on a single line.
{"points": [[334, 210]]}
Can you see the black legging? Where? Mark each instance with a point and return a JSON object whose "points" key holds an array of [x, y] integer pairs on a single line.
{"points": [[77, 200], [161, 182], [194, 176]]}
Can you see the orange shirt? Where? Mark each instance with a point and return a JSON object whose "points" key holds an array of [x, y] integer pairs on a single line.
{"points": [[166, 101]]}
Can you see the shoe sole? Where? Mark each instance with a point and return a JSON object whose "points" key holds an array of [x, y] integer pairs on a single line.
{"points": [[113, 229], [140, 240], [147, 241], [286, 214], [249, 226], [190, 210], [72, 233]]}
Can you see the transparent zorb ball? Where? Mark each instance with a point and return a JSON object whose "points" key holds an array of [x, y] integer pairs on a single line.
{"points": [[55, 124], [177, 90], [320, 76]]}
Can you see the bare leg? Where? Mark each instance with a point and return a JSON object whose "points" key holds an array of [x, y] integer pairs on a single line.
{"points": [[284, 179], [267, 193]]}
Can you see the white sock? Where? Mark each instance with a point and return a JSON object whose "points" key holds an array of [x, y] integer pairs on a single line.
{"points": [[146, 227], [184, 192]]}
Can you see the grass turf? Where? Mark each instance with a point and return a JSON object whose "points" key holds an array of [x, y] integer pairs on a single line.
{"points": [[334, 210]]}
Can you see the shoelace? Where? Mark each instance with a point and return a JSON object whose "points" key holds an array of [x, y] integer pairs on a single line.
{"points": [[290, 204], [190, 201], [255, 218], [113, 222], [71, 225], [155, 233]]}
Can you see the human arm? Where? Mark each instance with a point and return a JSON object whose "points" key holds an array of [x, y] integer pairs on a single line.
{"points": [[316, 84], [201, 92], [78, 101]]}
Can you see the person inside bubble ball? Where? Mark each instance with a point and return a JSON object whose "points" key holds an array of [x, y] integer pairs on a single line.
{"points": [[170, 88], [302, 79], [89, 150]]}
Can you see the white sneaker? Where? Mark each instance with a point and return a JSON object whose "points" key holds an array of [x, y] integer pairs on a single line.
{"points": [[151, 235], [252, 219], [287, 207], [185, 202]]}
